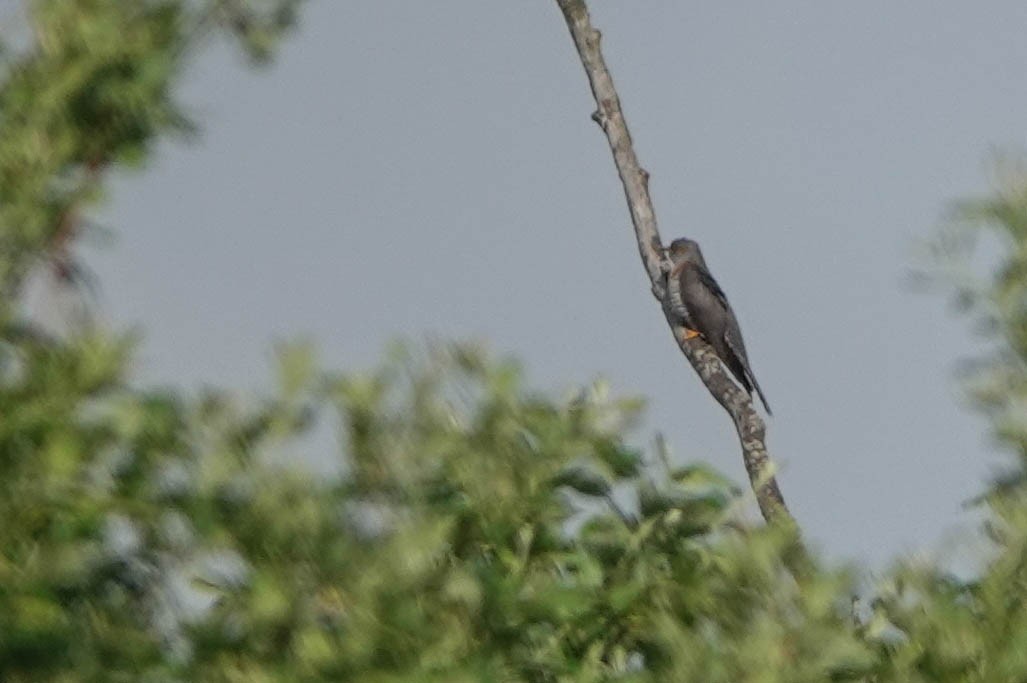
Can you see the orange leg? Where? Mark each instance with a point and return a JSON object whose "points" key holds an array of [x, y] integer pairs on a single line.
{"points": [[689, 334]]}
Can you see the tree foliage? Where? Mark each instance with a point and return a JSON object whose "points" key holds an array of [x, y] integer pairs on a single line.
{"points": [[478, 531]]}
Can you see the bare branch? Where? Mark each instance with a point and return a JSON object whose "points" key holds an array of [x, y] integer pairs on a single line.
{"points": [[751, 430]]}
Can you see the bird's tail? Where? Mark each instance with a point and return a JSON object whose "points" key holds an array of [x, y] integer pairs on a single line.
{"points": [[763, 399], [739, 366]]}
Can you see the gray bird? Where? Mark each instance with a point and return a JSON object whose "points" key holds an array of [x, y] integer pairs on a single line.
{"points": [[702, 307]]}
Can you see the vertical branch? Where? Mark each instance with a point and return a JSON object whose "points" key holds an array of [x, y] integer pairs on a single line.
{"points": [[635, 179]]}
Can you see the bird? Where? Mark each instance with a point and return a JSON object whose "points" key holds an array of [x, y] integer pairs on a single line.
{"points": [[702, 308]]}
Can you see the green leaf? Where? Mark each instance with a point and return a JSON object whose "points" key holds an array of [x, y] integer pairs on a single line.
{"points": [[583, 480]]}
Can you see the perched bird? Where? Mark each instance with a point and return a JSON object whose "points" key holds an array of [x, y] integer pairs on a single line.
{"points": [[701, 305]]}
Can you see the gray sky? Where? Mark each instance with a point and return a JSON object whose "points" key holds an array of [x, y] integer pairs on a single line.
{"points": [[429, 169]]}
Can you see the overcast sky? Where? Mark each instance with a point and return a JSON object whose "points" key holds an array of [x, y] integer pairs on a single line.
{"points": [[421, 170]]}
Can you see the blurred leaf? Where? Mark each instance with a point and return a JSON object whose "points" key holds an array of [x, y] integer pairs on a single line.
{"points": [[584, 481]]}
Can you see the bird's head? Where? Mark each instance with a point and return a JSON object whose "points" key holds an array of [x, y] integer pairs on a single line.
{"points": [[684, 249]]}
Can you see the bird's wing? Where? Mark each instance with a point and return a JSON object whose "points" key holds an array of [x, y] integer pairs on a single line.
{"points": [[733, 334], [706, 278]]}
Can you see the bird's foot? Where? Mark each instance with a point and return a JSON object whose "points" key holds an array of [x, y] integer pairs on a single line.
{"points": [[689, 334]]}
